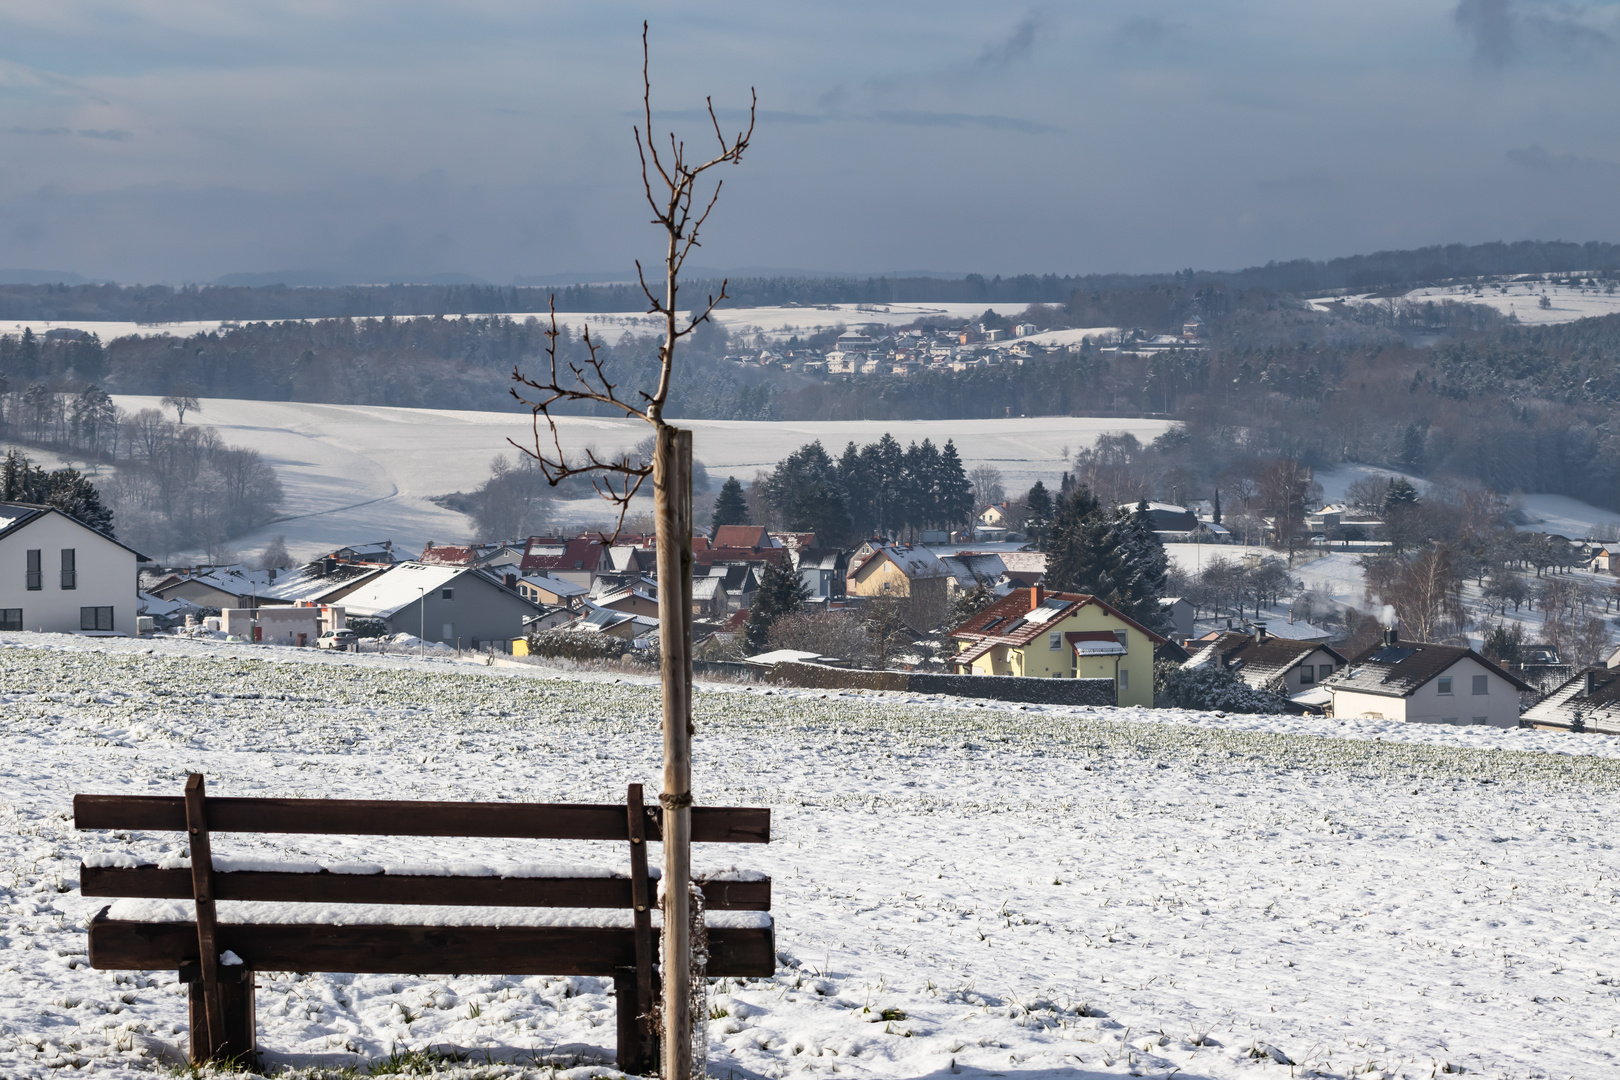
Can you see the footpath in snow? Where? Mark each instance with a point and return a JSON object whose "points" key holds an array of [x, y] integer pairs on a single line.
{"points": [[959, 888]]}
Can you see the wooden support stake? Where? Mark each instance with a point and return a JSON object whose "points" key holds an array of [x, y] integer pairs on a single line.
{"points": [[202, 891], [672, 505], [643, 1054]]}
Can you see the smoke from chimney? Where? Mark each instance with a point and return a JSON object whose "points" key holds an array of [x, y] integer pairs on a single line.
{"points": [[1387, 618]]}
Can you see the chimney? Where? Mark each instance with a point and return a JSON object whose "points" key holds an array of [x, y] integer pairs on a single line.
{"points": [[1591, 681], [509, 580], [1260, 634], [1034, 597], [328, 565], [1392, 636]]}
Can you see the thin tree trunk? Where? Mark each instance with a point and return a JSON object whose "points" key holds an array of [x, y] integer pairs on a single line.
{"points": [[672, 494]]}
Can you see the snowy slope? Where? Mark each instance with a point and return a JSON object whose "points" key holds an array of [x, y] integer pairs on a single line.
{"points": [[1522, 300], [358, 473], [1025, 891]]}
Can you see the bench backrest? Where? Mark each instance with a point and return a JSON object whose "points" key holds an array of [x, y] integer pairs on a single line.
{"points": [[630, 822]]}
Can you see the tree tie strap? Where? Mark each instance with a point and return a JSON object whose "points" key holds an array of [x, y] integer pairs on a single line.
{"points": [[675, 802]]}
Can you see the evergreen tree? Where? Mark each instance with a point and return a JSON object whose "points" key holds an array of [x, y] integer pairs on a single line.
{"points": [[66, 490], [1147, 567], [731, 507], [1037, 512], [808, 493], [1401, 495], [1083, 553], [781, 592], [955, 493], [1412, 449], [1217, 514]]}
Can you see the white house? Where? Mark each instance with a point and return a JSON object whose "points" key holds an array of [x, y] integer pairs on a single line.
{"points": [[1416, 682], [61, 576]]}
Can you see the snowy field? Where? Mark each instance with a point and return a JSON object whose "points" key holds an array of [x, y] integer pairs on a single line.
{"points": [[1522, 300], [959, 889], [773, 322], [358, 473]]}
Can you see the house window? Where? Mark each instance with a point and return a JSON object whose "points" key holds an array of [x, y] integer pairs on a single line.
{"points": [[11, 618], [1448, 719], [1119, 636], [1324, 671], [95, 618], [1481, 684], [36, 577], [1124, 679], [1307, 674], [447, 594], [1445, 684], [1482, 719], [70, 569], [1054, 640]]}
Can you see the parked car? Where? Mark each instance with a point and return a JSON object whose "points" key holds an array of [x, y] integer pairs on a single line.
{"points": [[337, 639]]}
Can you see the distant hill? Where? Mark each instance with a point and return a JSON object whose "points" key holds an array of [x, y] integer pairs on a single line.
{"points": [[33, 294]]}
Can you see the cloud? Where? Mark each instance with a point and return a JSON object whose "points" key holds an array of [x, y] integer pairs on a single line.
{"points": [[1146, 30], [1536, 158], [919, 118], [900, 117], [110, 135], [1017, 46], [1505, 30]]}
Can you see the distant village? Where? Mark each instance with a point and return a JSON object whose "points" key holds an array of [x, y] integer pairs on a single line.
{"points": [[970, 610], [868, 351]]}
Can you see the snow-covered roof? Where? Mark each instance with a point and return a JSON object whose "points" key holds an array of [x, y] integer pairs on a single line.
{"points": [[398, 587], [312, 581], [707, 588], [914, 562], [554, 585], [971, 567]]}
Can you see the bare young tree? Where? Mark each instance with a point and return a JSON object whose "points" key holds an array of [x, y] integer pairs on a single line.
{"points": [[671, 181], [989, 489]]}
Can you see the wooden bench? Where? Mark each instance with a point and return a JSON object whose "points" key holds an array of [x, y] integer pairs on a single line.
{"points": [[194, 939]]}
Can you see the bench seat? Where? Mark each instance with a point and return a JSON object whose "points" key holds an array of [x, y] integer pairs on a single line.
{"points": [[423, 946]]}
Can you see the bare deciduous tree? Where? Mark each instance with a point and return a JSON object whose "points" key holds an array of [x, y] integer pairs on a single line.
{"points": [[670, 180]]}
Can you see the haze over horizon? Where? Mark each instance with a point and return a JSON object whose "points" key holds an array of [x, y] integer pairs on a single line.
{"points": [[176, 142]]}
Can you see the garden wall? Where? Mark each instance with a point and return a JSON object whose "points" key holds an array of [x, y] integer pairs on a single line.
{"points": [[1086, 692]]}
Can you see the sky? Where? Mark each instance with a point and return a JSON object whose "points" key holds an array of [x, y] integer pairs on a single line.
{"points": [[384, 140]]}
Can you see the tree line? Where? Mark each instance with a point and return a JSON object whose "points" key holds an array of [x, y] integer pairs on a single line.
{"points": [[880, 489], [171, 486]]}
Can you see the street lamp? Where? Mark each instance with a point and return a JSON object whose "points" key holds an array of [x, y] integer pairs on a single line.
{"points": [[421, 630]]}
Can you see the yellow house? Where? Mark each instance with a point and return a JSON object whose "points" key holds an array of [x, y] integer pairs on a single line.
{"points": [[1057, 635], [913, 574]]}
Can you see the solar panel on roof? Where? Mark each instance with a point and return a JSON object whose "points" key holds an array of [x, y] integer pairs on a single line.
{"points": [[1393, 654], [992, 624], [1013, 626]]}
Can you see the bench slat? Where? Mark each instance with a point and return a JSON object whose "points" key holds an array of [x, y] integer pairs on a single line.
{"points": [[393, 817], [420, 950], [330, 888]]}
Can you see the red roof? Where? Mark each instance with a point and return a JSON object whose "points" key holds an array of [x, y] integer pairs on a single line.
{"points": [[774, 556], [1003, 621], [446, 555], [549, 555], [741, 536]]}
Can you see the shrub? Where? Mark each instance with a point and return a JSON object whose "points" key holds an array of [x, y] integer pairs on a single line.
{"points": [[1207, 689]]}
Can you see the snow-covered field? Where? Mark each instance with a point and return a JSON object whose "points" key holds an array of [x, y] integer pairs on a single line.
{"points": [[1023, 891], [1521, 299], [774, 322], [357, 472]]}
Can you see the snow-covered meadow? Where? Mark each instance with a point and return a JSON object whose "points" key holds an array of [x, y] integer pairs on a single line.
{"points": [[358, 472], [960, 888]]}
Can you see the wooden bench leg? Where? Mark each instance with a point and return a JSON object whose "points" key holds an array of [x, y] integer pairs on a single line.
{"points": [[237, 1001], [638, 1049]]}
